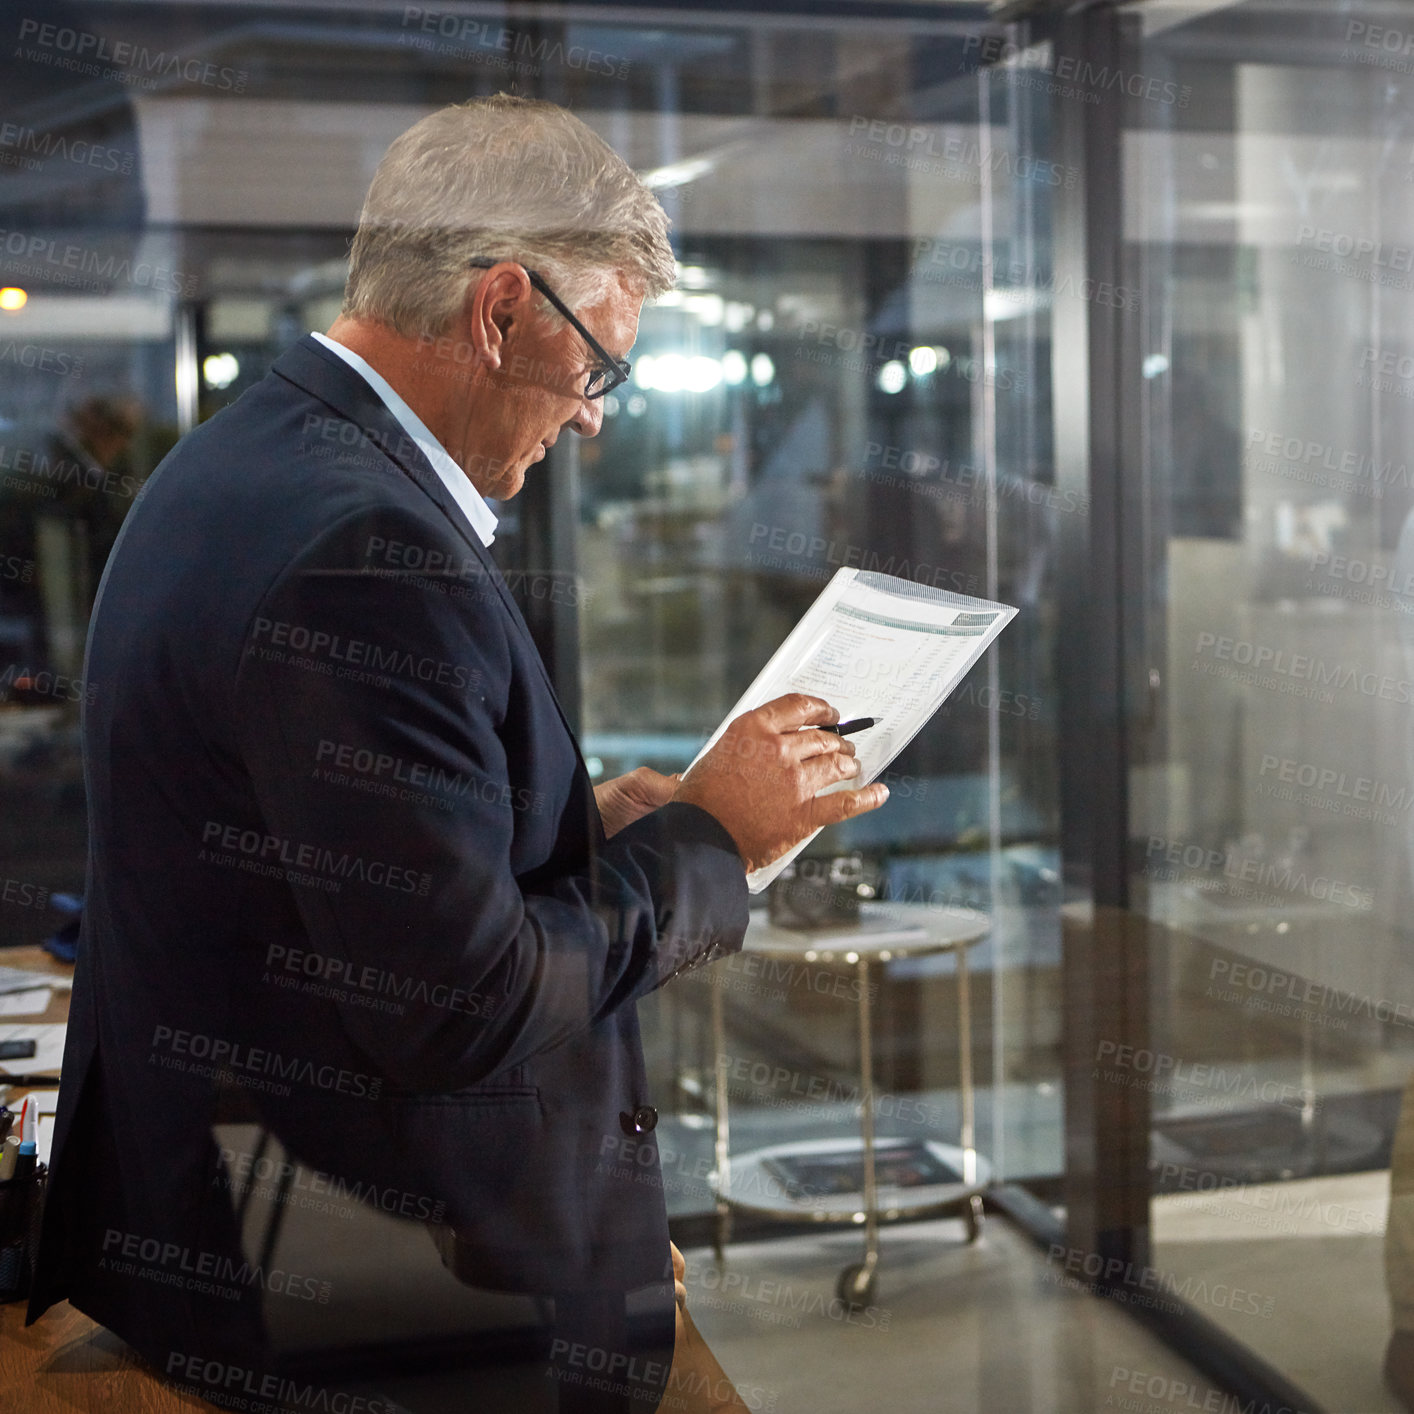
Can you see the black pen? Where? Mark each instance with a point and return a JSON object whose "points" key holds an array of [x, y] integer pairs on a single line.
{"points": [[859, 724]]}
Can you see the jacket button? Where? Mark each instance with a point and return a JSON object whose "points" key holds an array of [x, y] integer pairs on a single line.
{"points": [[643, 1120]]}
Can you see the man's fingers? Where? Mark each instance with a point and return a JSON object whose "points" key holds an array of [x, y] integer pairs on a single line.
{"points": [[844, 804], [653, 786], [806, 743], [679, 1274], [794, 710], [821, 772]]}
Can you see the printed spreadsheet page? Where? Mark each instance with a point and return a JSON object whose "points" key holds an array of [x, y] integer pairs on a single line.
{"points": [[873, 645]]}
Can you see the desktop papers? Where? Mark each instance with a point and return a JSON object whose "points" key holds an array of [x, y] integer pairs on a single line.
{"points": [[32, 1002], [19, 979], [873, 645], [48, 1056]]}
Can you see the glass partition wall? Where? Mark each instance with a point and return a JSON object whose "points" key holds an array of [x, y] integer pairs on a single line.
{"points": [[1269, 228], [888, 225], [825, 391], [856, 369], [843, 377]]}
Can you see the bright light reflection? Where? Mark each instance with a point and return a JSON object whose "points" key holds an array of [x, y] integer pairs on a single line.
{"points": [[922, 361], [703, 374], [677, 373], [737, 316], [220, 370], [710, 309], [893, 377]]}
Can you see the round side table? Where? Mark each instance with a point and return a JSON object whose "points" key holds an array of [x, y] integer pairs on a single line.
{"points": [[883, 932]]}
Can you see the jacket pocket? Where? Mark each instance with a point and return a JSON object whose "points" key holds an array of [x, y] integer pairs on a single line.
{"points": [[508, 1087]]}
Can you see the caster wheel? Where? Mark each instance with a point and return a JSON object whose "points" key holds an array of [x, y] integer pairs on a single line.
{"points": [[855, 1286], [972, 1216]]}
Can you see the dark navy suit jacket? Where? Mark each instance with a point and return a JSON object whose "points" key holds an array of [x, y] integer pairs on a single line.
{"points": [[345, 859]]}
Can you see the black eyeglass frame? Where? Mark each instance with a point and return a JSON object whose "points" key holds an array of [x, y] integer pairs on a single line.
{"points": [[615, 371]]}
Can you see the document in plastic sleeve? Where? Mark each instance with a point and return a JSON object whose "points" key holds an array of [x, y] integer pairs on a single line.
{"points": [[873, 645]]}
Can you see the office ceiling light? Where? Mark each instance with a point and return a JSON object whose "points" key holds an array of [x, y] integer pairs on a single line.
{"points": [[893, 377], [702, 374], [737, 316], [1014, 301], [709, 309], [763, 369], [220, 370], [922, 361], [734, 367], [663, 373], [677, 174], [678, 373], [12, 299]]}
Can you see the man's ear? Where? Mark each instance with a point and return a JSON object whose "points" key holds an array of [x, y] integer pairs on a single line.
{"points": [[493, 307]]}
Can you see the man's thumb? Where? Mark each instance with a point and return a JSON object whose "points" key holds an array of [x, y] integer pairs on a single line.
{"points": [[870, 798]]}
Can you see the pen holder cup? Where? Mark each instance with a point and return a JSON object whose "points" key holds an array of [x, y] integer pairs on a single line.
{"points": [[21, 1205]]}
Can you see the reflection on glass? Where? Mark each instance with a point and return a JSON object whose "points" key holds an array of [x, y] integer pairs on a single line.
{"points": [[1272, 831], [854, 370], [827, 414]]}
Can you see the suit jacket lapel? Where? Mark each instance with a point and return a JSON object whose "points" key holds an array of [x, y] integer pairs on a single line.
{"points": [[311, 367]]}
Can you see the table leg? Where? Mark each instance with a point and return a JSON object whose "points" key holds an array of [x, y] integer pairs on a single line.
{"points": [[856, 1283], [967, 1096], [866, 1122], [721, 1231]]}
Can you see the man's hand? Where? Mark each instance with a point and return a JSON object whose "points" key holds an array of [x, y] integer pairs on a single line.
{"points": [[679, 1274], [760, 779], [628, 798]]}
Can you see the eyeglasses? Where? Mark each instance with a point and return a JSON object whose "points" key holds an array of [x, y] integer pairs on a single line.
{"points": [[611, 371]]}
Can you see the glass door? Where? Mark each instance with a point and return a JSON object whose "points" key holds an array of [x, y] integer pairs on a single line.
{"points": [[1269, 225]]}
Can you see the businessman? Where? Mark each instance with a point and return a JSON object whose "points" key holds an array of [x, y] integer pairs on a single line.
{"points": [[346, 865]]}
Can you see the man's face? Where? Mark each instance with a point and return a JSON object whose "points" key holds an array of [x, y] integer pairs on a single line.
{"points": [[538, 392]]}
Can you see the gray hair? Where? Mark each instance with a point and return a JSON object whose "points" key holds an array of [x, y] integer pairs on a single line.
{"points": [[500, 178]]}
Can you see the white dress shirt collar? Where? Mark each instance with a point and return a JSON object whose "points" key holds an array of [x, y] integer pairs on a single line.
{"points": [[473, 505]]}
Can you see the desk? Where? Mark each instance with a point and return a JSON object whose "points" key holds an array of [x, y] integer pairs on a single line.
{"points": [[883, 932], [66, 1363]]}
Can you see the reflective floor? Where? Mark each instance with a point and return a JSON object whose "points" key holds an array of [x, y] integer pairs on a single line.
{"points": [[986, 1329], [1307, 1258]]}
